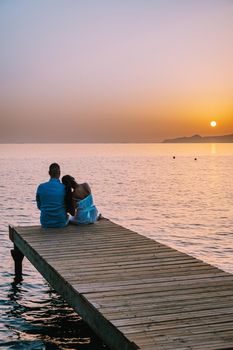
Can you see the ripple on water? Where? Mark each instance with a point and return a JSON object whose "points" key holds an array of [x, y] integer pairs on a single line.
{"points": [[34, 320]]}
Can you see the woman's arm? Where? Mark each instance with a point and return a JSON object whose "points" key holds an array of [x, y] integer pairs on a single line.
{"points": [[70, 204], [87, 187], [73, 207]]}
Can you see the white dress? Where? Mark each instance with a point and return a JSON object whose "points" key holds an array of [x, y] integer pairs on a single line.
{"points": [[87, 212]]}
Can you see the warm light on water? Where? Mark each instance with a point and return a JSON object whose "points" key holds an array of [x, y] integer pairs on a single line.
{"points": [[69, 151], [182, 202]]}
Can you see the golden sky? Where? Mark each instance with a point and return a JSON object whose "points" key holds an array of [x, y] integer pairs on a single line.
{"points": [[137, 71]]}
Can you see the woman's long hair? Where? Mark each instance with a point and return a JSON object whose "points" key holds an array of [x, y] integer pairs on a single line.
{"points": [[69, 183]]}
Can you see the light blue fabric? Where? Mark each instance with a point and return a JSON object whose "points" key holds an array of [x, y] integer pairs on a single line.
{"points": [[86, 213], [50, 200]]}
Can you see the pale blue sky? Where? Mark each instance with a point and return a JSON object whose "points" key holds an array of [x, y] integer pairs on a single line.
{"points": [[115, 70]]}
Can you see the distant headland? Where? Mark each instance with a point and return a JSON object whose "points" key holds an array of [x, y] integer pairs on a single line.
{"points": [[202, 139]]}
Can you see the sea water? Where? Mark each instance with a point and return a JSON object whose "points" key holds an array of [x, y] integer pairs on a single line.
{"points": [[178, 194]]}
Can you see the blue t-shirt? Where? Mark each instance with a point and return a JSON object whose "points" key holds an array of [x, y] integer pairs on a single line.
{"points": [[50, 200]]}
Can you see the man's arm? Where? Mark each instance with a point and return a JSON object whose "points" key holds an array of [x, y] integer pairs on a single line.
{"points": [[38, 199]]}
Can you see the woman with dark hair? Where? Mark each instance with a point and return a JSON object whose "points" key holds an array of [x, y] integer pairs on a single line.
{"points": [[79, 202]]}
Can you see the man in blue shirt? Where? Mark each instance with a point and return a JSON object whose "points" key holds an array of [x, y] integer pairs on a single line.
{"points": [[50, 200]]}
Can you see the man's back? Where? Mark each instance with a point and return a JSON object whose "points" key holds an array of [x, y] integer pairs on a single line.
{"points": [[50, 200]]}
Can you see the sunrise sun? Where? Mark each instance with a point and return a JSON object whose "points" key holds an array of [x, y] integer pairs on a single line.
{"points": [[213, 124]]}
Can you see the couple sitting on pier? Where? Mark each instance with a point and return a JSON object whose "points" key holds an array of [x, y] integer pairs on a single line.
{"points": [[56, 200]]}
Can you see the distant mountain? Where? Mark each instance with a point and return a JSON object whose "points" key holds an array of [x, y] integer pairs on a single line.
{"points": [[202, 139]]}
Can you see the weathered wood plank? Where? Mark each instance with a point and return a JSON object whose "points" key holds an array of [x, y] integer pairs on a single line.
{"points": [[165, 285]]}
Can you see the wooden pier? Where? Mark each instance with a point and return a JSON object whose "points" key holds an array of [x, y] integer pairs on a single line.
{"points": [[135, 293]]}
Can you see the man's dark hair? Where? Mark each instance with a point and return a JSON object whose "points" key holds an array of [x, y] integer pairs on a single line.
{"points": [[54, 170]]}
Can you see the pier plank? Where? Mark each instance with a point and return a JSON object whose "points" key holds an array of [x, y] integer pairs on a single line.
{"points": [[134, 292]]}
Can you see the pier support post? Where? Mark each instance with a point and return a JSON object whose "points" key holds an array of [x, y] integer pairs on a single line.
{"points": [[18, 259]]}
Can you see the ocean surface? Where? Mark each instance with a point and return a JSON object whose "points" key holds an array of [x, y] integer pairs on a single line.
{"points": [[178, 194]]}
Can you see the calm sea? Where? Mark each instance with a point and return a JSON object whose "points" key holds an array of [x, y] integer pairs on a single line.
{"points": [[182, 202]]}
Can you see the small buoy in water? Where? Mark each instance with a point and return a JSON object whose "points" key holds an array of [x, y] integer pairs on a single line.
{"points": [[174, 157]]}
